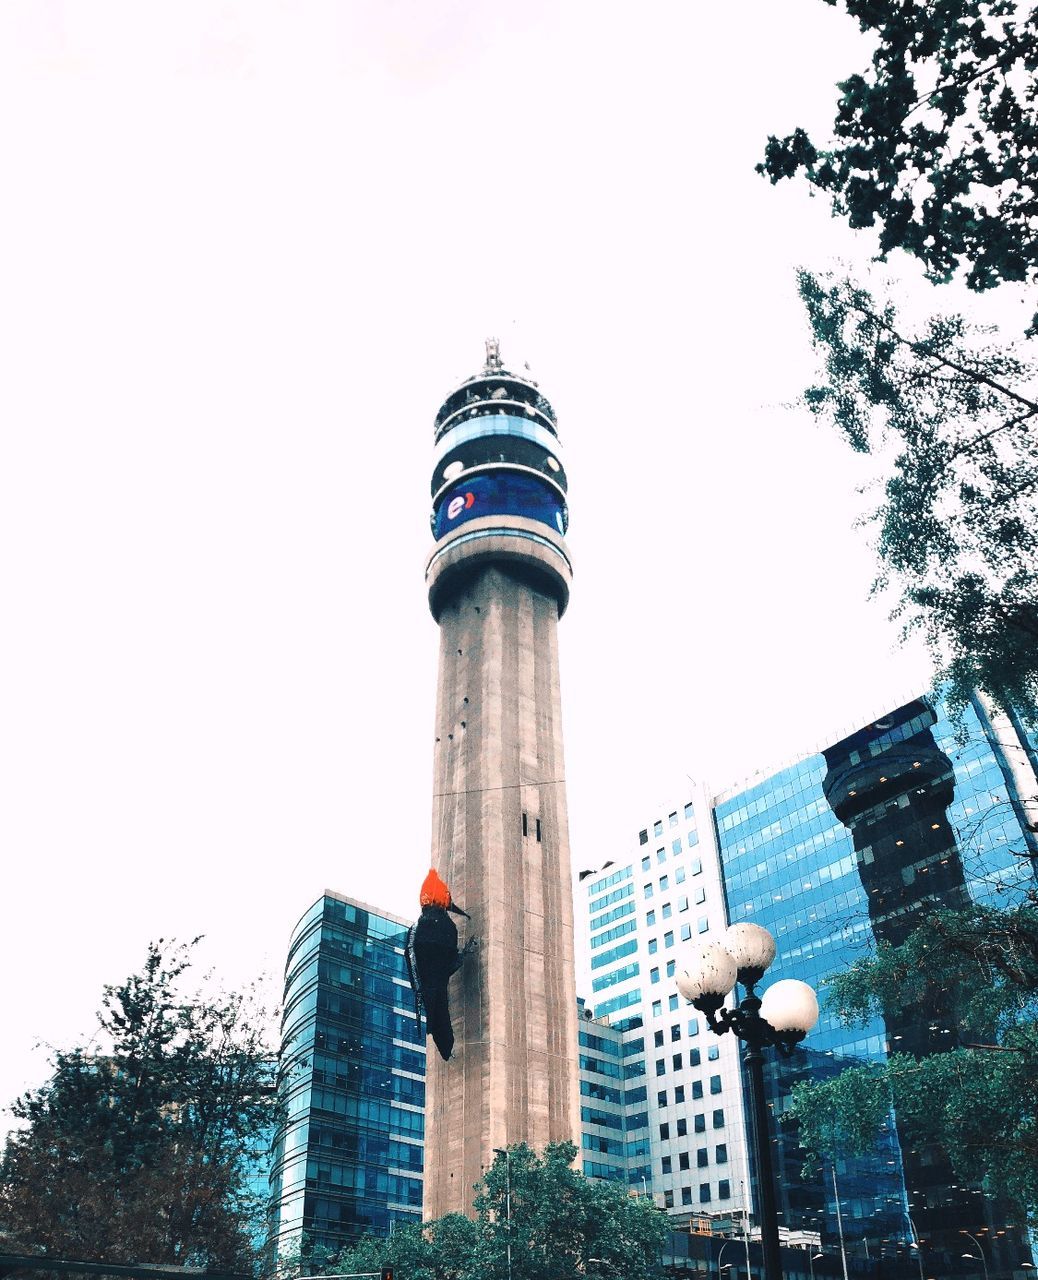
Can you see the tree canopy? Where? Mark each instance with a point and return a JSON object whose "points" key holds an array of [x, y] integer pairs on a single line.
{"points": [[954, 415], [141, 1145], [559, 1223], [938, 142], [978, 1100]]}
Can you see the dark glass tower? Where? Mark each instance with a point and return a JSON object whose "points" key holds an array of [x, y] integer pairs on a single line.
{"points": [[854, 846], [891, 786], [348, 1158]]}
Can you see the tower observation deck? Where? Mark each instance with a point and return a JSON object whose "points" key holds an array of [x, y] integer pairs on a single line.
{"points": [[498, 579]]}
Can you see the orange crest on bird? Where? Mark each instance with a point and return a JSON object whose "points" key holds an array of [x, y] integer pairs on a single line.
{"points": [[434, 892]]}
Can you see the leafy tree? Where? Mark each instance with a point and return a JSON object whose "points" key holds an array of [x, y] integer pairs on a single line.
{"points": [[938, 142], [978, 1101], [559, 1224], [958, 522], [141, 1148]]}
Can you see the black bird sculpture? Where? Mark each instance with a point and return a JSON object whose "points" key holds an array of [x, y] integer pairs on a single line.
{"points": [[432, 956]]}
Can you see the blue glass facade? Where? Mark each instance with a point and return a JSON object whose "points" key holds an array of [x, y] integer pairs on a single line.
{"points": [[841, 849], [348, 1159]]}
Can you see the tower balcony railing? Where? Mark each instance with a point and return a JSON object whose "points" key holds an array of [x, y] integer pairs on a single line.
{"points": [[507, 423], [485, 407]]}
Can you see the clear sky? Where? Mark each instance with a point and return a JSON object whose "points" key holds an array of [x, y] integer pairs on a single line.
{"points": [[246, 247]]}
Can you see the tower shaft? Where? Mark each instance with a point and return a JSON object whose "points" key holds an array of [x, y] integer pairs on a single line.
{"points": [[500, 839]]}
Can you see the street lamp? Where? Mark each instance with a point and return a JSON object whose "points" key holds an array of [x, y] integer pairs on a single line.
{"points": [[787, 1012], [812, 1259], [983, 1260], [720, 1256], [503, 1151]]}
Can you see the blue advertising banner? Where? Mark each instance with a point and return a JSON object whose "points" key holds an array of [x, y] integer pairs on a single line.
{"points": [[500, 493]]}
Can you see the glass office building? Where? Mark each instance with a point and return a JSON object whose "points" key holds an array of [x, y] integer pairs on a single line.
{"points": [[839, 849], [676, 1088], [348, 1158], [852, 846]]}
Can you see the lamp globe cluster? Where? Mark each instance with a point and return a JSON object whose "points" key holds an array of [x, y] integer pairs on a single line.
{"points": [[744, 954]]}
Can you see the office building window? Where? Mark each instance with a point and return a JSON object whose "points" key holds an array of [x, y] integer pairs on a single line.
{"points": [[700, 894], [699, 1124], [683, 1160], [672, 818], [693, 1057], [647, 890], [664, 883], [650, 918], [675, 846], [686, 1195], [643, 837], [677, 1062], [670, 968], [668, 1198], [702, 1158], [675, 1031], [661, 1098], [661, 855], [704, 1193], [658, 1039], [679, 875], [693, 839], [664, 1132], [668, 938], [721, 1153], [679, 1093], [653, 946], [683, 903], [693, 1026], [713, 1052], [668, 911], [661, 1066], [657, 1008], [686, 933], [665, 1164], [695, 866], [697, 1089], [682, 1129], [672, 1003], [703, 924], [688, 812], [654, 975], [724, 1189], [719, 1118], [646, 863], [715, 1084], [657, 828]]}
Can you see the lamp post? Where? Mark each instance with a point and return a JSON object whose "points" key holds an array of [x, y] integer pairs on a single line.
{"points": [[780, 1020], [812, 1259], [980, 1248], [503, 1151], [720, 1256]]}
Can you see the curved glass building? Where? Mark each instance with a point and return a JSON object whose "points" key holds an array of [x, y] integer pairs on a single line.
{"points": [[347, 1159]]}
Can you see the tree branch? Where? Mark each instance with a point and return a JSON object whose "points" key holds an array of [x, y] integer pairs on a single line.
{"points": [[923, 349]]}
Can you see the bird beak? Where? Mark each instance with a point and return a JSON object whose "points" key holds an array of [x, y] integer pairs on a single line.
{"points": [[458, 911]]}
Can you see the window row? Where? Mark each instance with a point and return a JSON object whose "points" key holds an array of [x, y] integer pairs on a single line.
{"points": [[702, 1158], [697, 1094], [724, 1192], [698, 1124]]}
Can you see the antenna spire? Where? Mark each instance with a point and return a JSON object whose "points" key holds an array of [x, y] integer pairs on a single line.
{"points": [[493, 364]]}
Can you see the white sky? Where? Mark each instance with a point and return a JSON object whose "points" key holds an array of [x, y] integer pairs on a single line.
{"points": [[246, 248]]}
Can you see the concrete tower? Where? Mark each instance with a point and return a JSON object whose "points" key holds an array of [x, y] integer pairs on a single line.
{"points": [[498, 580]]}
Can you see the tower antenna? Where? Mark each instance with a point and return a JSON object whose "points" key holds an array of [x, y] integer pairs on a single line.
{"points": [[493, 364]]}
